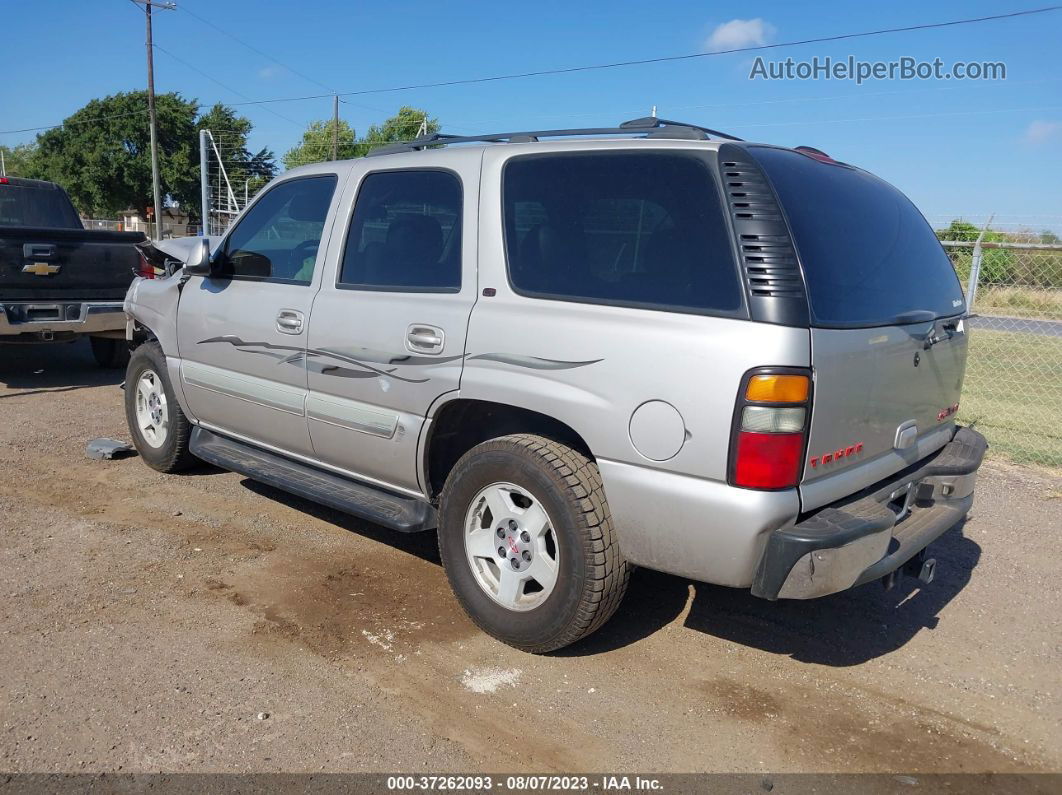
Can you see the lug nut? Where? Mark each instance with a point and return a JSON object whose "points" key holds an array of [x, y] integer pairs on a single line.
{"points": [[501, 532], [525, 537], [512, 525], [515, 563], [501, 552], [526, 555]]}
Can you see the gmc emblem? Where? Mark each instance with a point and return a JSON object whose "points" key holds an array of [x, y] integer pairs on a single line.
{"points": [[837, 455]]}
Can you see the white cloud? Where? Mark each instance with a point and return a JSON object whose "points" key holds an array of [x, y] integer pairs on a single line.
{"points": [[269, 72], [1040, 132], [739, 33]]}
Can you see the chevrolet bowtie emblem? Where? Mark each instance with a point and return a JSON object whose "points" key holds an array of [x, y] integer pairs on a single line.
{"points": [[41, 268]]}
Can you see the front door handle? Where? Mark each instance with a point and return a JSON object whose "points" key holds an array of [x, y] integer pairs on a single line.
{"points": [[425, 339], [289, 321]]}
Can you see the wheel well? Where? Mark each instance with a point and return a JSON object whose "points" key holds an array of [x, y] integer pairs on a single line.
{"points": [[141, 334], [462, 424]]}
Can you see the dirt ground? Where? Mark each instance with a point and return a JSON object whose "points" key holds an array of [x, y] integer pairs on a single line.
{"points": [[206, 623]]}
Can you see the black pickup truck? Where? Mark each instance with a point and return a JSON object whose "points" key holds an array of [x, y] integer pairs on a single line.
{"points": [[58, 280]]}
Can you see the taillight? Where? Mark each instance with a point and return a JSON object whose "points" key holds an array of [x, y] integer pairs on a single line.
{"points": [[144, 269], [770, 428]]}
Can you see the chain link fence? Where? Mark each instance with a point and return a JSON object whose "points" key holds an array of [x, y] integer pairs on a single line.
{"points": [[1013, 387]]}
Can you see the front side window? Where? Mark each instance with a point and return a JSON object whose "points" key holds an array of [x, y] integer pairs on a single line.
{"points": [[279, 236], [628, 228], [405, 234]]}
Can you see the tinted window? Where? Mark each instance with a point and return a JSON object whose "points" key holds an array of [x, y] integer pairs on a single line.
{"points": [[279, 236], [868, 254], [641, 229], [405, 233], [42, 207]]}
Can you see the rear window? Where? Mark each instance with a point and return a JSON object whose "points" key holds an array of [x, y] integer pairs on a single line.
{"points": [[633, 229], [42, 207], [869, 256]]}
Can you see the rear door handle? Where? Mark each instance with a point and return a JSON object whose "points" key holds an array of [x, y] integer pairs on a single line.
{"points": [[425, 339], [289, 321]]}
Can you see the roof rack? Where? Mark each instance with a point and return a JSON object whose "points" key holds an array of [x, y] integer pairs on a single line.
{"points": [[651, 126]]}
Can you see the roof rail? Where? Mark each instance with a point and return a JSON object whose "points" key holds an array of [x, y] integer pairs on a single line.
{"points": [[650, 126]]}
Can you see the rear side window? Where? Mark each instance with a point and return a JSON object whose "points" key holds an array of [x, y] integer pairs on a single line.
{"points": [[42, 207], [405, 234], [628, 228], [869, 257]]}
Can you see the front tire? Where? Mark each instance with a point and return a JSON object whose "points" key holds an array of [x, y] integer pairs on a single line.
{"points": [[526, 539], [159, 428]]}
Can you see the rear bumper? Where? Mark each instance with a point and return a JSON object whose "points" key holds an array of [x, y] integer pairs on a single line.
{"points": [[871, 534], [43, 321]]}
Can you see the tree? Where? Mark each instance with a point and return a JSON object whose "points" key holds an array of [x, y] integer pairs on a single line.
{"points": [[19, 159], [316, 144], [101, 154], [230, 132], [997, 265], [405, 125]]}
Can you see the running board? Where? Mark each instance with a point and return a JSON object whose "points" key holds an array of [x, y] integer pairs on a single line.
{"points": [[395, 511]]}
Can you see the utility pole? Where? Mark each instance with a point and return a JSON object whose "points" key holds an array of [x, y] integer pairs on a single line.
{"points": [[335, 126], [3, 168], [156, 185]]}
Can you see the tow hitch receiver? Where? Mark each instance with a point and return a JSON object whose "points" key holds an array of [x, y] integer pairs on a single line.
{"points": [[920, 566]]}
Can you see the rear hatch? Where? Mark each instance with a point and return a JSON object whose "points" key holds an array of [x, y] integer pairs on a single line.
{"points": [[888, 343]]}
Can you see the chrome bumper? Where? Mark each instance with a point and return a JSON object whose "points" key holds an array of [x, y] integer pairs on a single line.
{"points": [[43, 321]]}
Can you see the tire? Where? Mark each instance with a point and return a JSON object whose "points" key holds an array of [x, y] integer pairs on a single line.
{"points": [[591, 574], [164, 444], [110, 353]]}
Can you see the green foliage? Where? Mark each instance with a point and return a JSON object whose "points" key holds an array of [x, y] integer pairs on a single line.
{"points": [[19, 159], [102, 153], [403, 126], [316, 144], [102, 156], [997, 265]]}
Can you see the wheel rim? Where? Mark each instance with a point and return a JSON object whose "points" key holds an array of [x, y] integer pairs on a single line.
{"points": [[152, 413], [511, 546]]}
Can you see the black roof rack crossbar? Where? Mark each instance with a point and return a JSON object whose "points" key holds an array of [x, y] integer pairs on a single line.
{"points": [[650, 125]]}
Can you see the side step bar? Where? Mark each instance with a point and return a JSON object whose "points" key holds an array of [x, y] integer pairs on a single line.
{"points": [[396, 511]]}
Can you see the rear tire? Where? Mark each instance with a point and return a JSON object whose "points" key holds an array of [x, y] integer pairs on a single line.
{"points": [[532, 482], [159, 428], [110, 353]]}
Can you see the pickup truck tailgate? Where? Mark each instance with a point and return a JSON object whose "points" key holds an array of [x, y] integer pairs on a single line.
{"points": [[40, 264]]}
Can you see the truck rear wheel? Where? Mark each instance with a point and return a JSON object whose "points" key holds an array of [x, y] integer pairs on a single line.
{"points": [[159, 428], [110, 353], [526, 539]]}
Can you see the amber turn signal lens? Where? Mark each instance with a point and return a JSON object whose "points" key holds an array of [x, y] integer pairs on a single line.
{"points": [[777, 388]]}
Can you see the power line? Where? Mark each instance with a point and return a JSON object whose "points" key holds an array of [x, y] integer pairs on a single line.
{"points": [[210, 77], [267, 56], [672, 58], [613, 65]]}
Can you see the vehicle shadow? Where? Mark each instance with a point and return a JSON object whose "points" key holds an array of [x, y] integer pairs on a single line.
{"points": [[422, 545], [844, 629], [52, 367]]}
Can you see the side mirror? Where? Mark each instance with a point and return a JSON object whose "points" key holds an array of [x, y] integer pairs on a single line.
{"points": [[198, 262]]}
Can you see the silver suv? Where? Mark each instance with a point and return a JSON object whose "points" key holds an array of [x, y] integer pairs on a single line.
{"points": [[653, 345]]}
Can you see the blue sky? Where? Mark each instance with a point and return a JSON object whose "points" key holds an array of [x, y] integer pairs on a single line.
{"points": [[956, 147]]}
